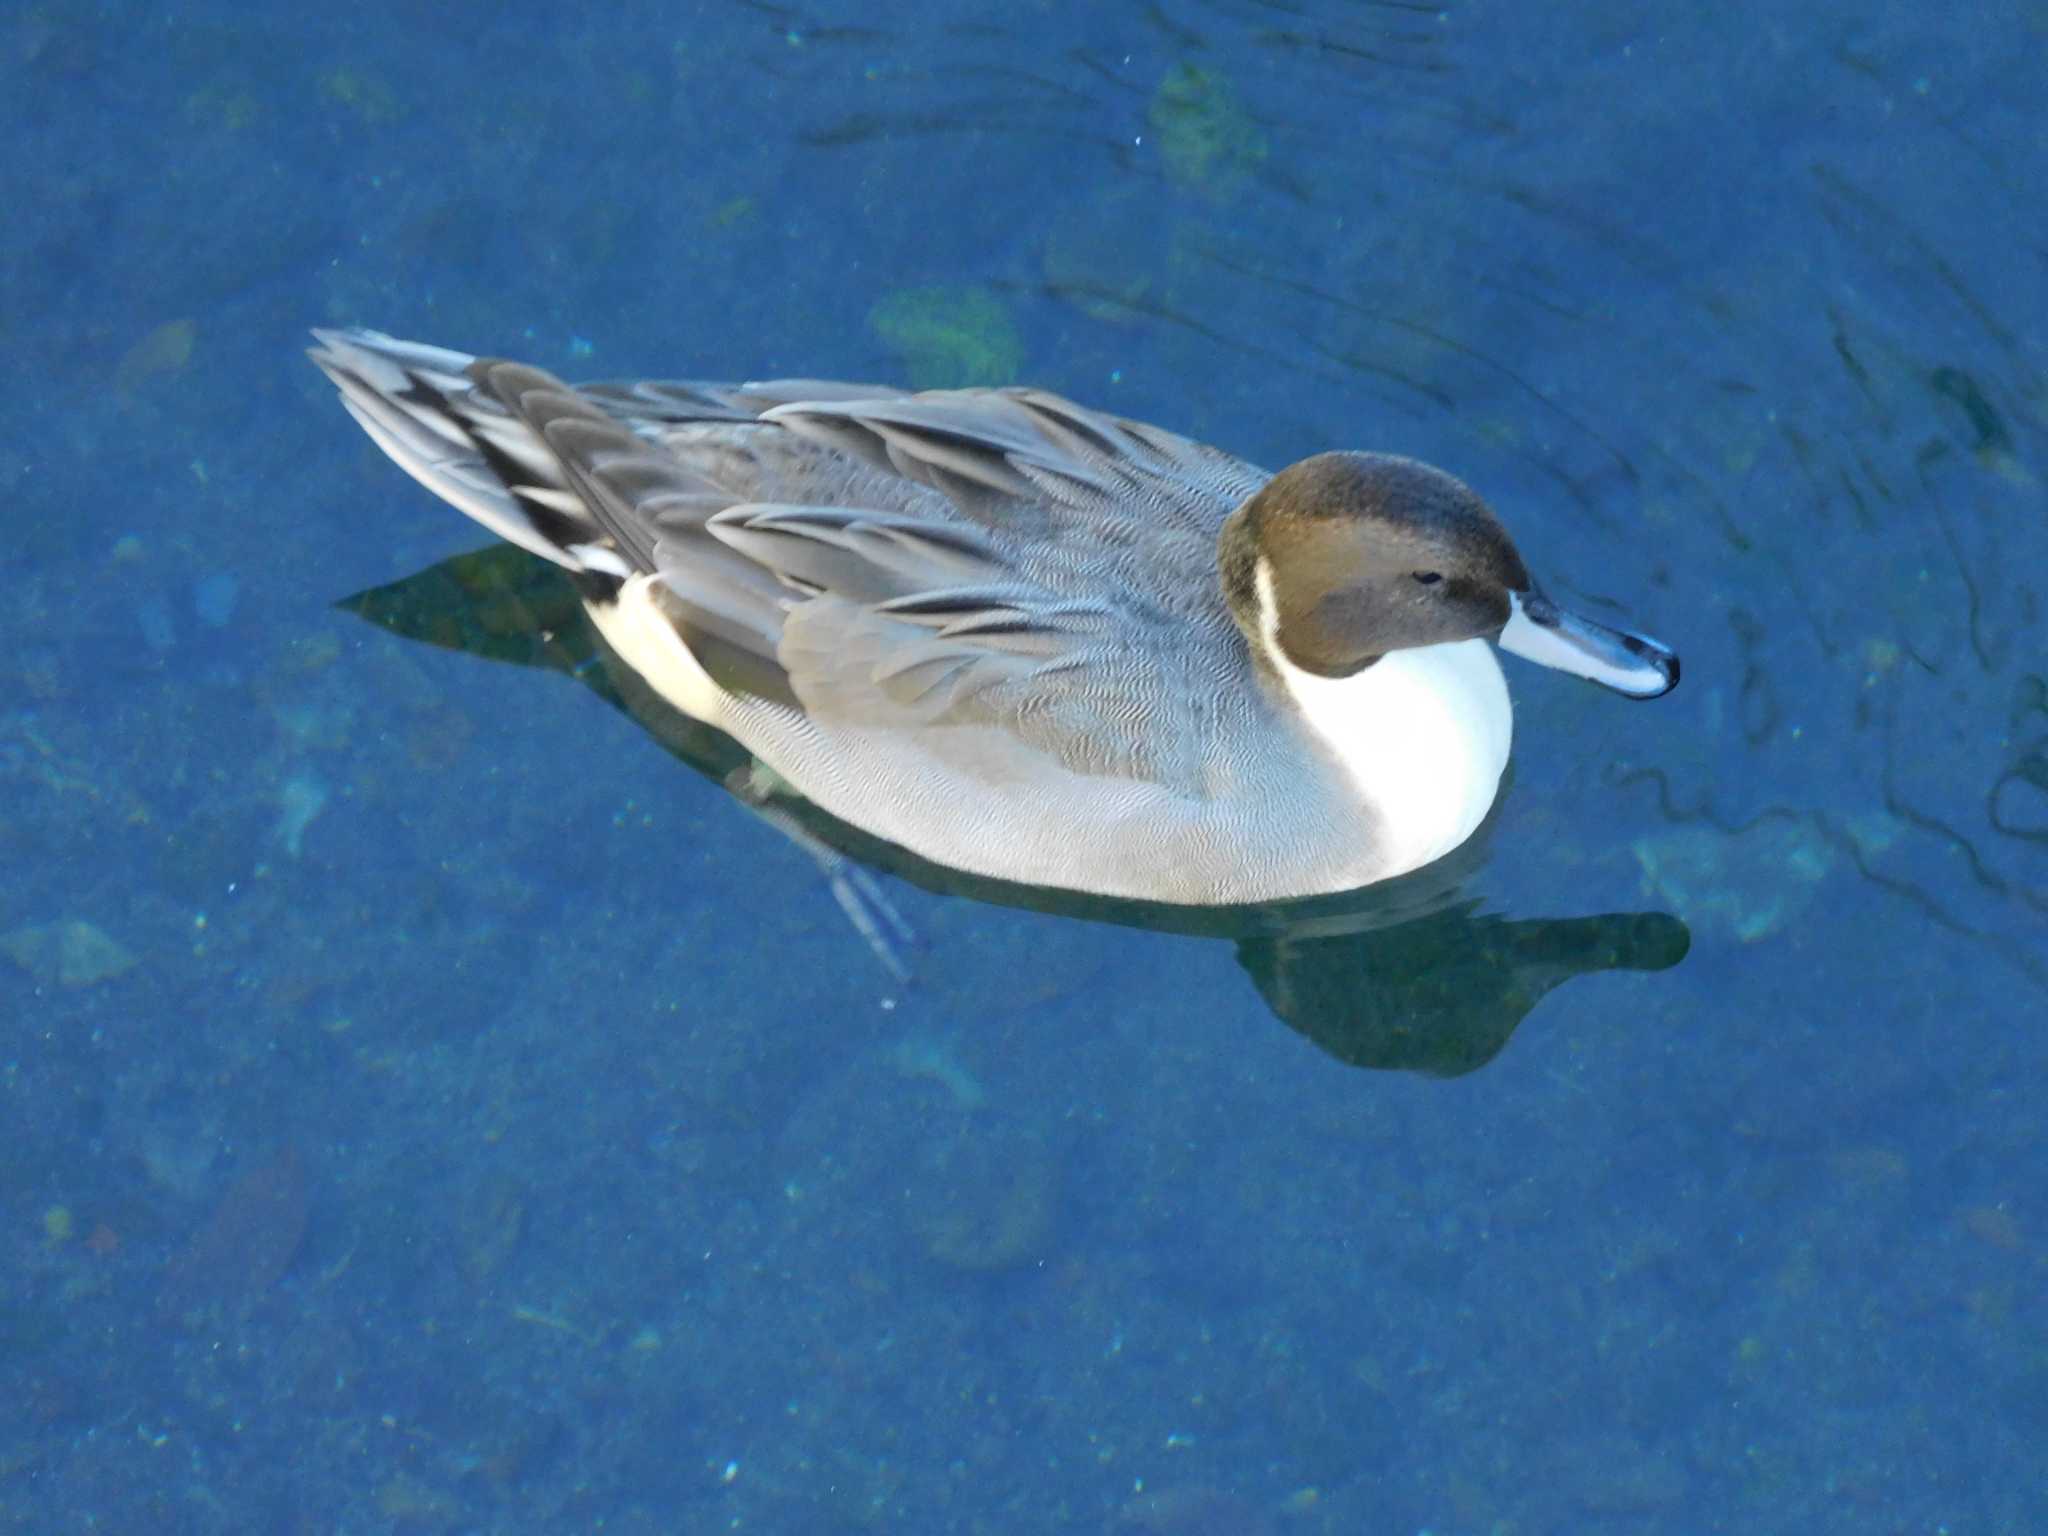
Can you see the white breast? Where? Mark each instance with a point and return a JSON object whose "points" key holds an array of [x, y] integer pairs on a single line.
{"points": [[644, 637], [1421, 735]]}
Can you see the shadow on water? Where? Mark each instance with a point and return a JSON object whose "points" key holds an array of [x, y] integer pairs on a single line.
{"points": [[1403, 976]]}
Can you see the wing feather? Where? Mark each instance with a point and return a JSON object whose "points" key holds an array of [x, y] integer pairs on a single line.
{"points": [[1003, 561]]}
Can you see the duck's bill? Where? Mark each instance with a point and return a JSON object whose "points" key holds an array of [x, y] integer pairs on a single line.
{"points": [[1540, 631]]}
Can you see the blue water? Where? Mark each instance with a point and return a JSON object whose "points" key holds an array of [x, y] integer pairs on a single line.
{"points": [[425, 1106]]}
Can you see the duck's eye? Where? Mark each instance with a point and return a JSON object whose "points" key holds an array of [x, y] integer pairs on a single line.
{"points": [[1429, 578]]}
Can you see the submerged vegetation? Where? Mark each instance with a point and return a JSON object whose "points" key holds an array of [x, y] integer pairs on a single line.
{"points": [[1209, 142], [950, 337]]}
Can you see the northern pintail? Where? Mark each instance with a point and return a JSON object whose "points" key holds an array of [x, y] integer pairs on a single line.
{"points": [[1017, 636]]}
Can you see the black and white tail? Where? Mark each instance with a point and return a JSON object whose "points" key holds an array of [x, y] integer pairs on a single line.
{"points": [[444, 418]]}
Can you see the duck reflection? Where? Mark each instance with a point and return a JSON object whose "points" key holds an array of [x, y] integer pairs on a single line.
{"points": [[1406, 975]]}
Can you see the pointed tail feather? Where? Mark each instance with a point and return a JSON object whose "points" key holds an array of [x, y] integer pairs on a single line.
{"points": [[425, 408]]}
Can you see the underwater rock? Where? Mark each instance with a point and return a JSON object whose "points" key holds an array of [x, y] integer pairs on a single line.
{"points": [[920, 1056], [1192, 1512], [987, 1197], [69, 954], [1617, 1477], [164, 351], [1744, 885], [300, 799], [489, 1228], [963, 1177], [246, 1245]]}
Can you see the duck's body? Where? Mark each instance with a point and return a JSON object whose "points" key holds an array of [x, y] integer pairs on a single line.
{"points": [[1016, 636]]}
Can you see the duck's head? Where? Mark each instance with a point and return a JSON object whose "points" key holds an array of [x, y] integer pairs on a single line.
{"points": [[1343, 557]]}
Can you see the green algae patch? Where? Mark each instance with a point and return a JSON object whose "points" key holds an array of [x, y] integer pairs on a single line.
{"points": [[1208, 141], [950, 337], [364, 95], [224, 105], [734, 210]]}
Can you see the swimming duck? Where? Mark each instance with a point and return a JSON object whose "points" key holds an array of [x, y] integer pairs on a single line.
{"points": [[1017, 636]]}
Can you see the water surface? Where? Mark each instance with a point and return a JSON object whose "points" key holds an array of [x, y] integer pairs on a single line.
{"points": [[429, 1107]]}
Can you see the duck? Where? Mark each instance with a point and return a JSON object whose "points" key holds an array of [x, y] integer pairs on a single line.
{"points": [[1019, 637]]}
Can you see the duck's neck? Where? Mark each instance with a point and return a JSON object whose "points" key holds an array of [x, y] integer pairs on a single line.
{"points": [[1421, 735], [1237, 564]]}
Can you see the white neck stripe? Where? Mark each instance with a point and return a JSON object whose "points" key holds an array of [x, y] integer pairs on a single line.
{"points": [[1420, 737]]}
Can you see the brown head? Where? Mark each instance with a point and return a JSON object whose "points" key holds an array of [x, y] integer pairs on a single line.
{"points": [[1343, 557]]}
